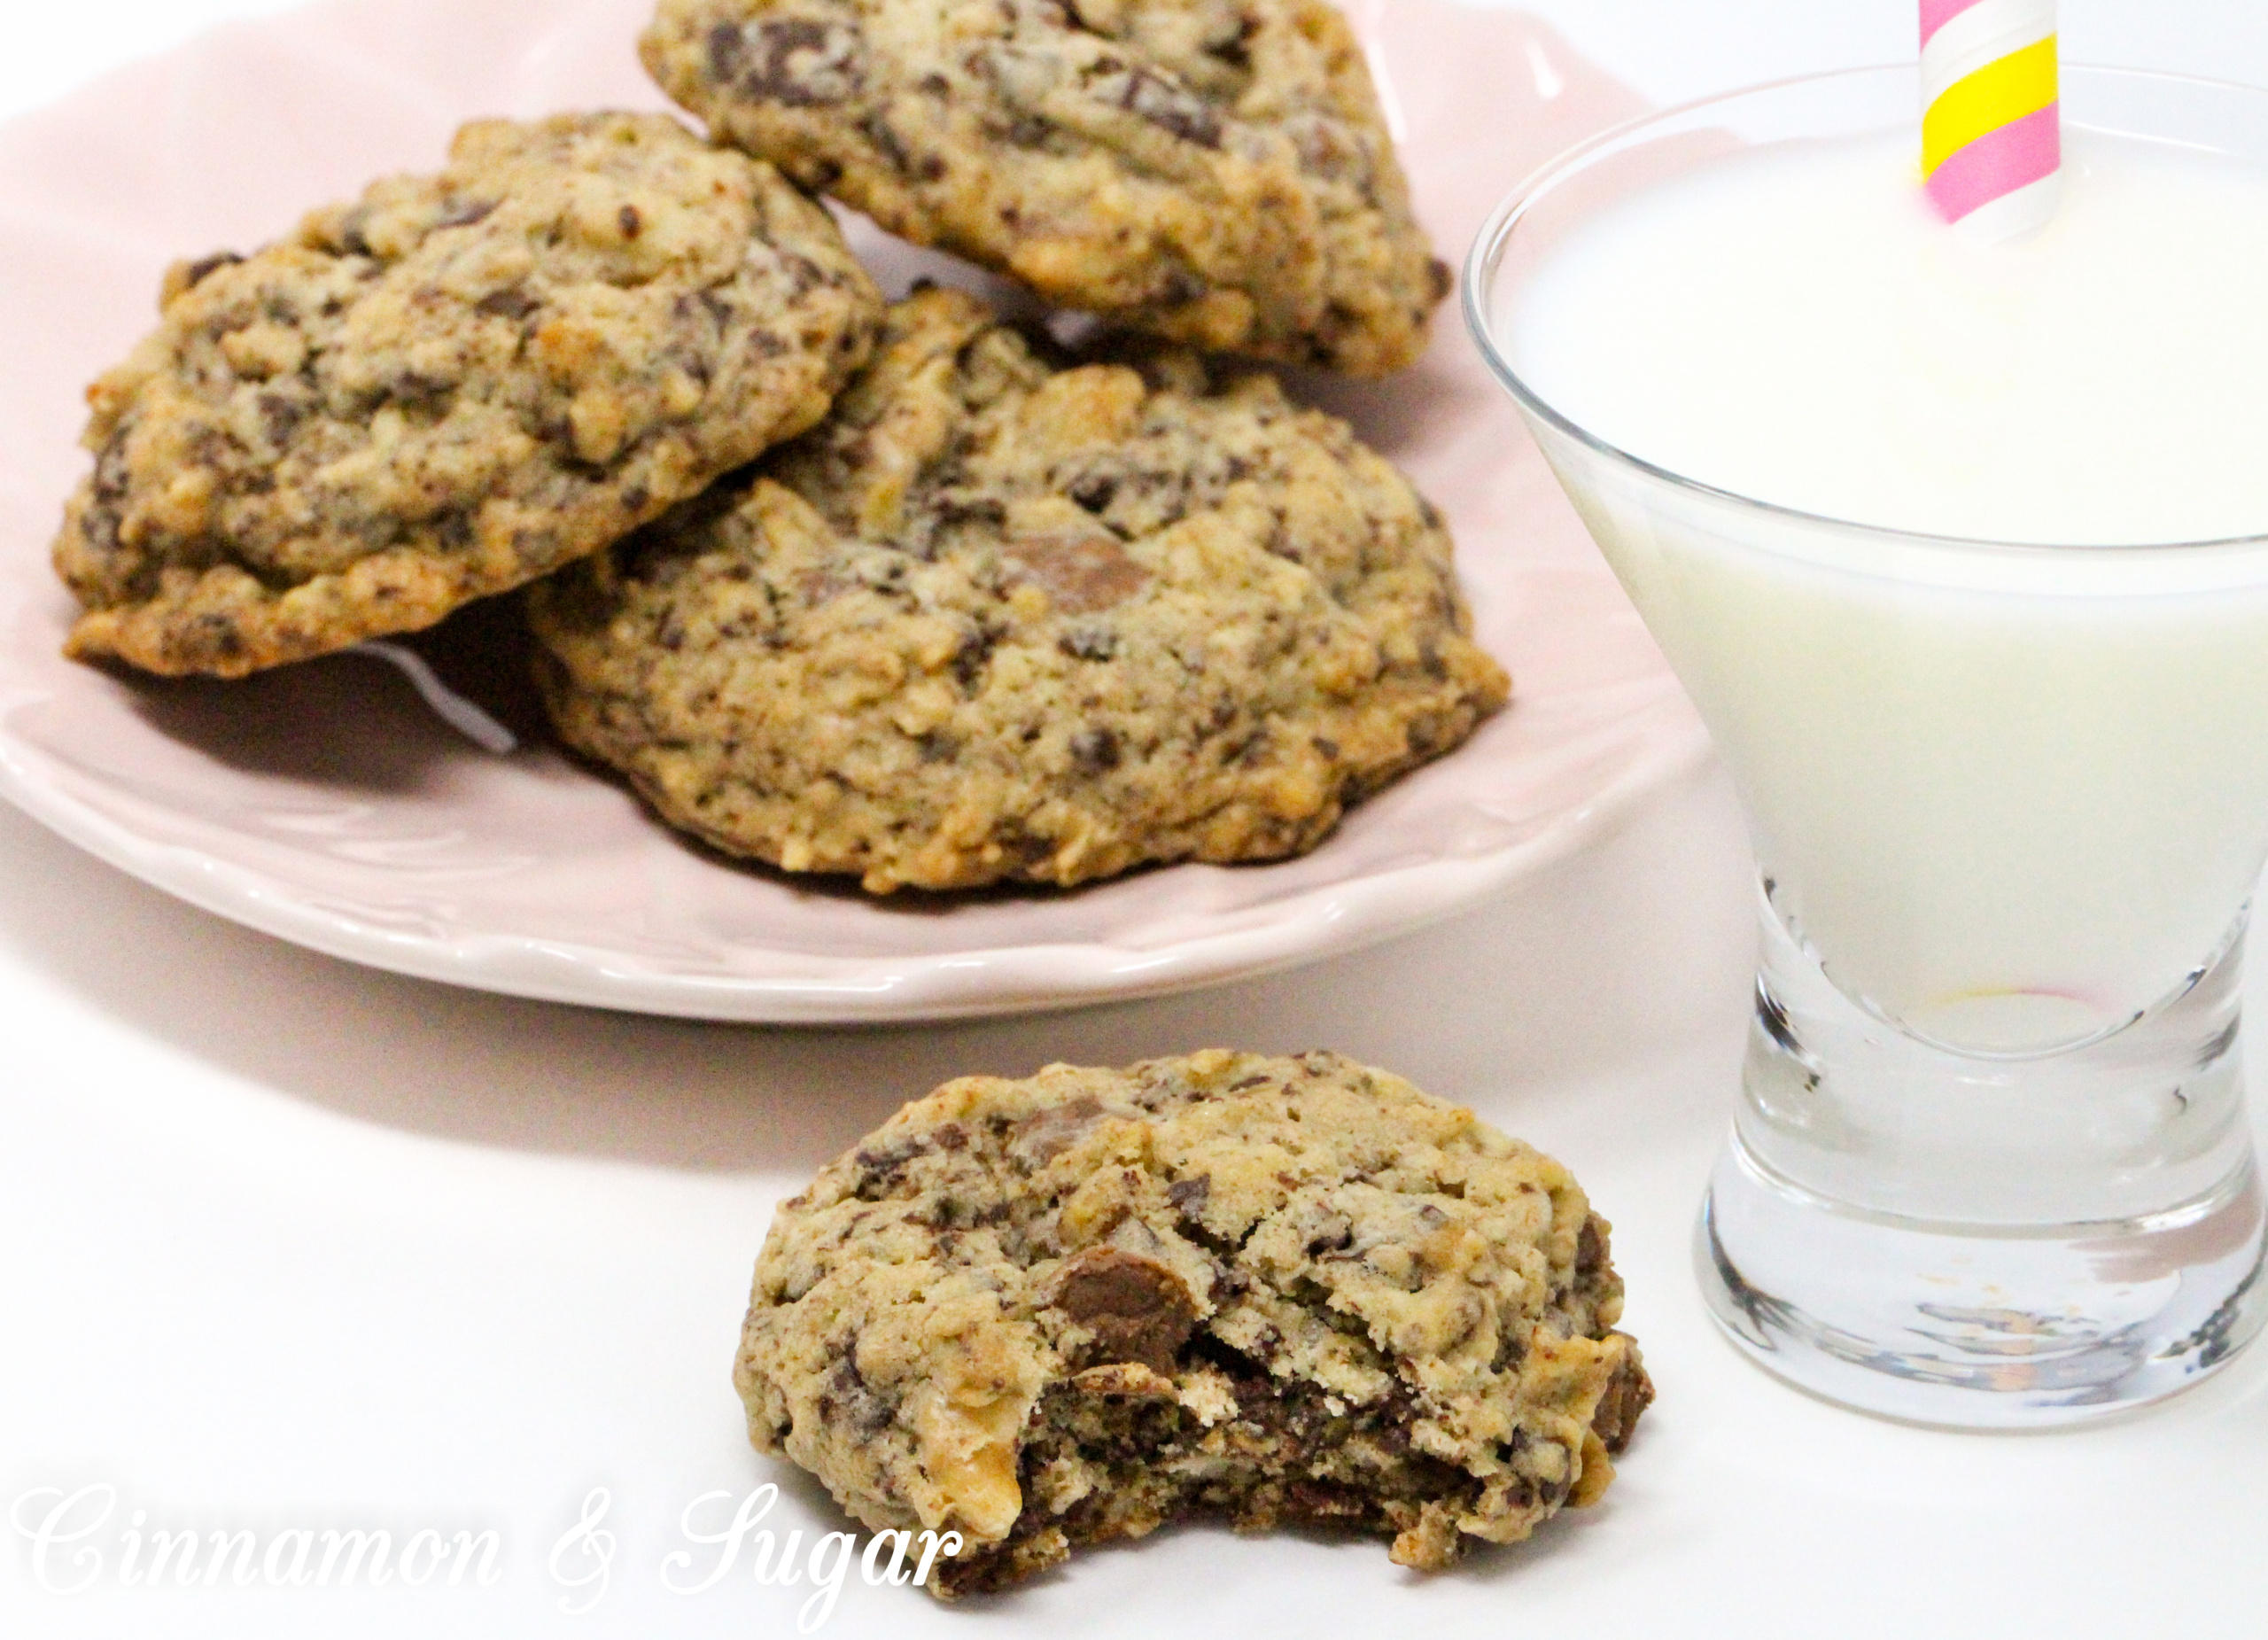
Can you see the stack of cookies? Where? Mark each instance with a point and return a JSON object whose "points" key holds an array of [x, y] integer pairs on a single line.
{"points": [[899, 591]]}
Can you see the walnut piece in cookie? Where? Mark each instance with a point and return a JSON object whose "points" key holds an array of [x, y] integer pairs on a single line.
{"points": [[1083, 1305], [1215, 171], [449, 387], [998, 620]]}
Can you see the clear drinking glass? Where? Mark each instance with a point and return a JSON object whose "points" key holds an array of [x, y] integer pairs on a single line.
{"points": [[1991, 1166]]}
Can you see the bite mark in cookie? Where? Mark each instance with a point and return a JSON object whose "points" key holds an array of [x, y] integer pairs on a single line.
{"points": [[1273, 1291]]}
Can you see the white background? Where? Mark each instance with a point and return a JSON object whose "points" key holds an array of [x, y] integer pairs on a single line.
{"points": [[286, 1241]]}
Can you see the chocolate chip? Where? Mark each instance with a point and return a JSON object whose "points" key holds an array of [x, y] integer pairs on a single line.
{"points": [[866, 1412], [1080, 574], [1164, 104], [1087, 643], [1046, 1134], [424, 395], [726, 52], [973, 656], [1095, 752], [466, 213], [1094, 492], [1138, 1310], [199, 271], [1628, 1393], [633, 223], [1178, 285], [1234, 52], [1190, 1195], [886, 142], [1510, 1351], [280, 417], [794, 61], [882, 1166], [453, 529], [1590, 1249], [1335, 1235], [804, 273], [352, 231], [515, 305], [113, 469], [970, 510]]}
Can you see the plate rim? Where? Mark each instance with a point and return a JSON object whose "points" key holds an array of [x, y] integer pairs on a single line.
{"points": [[913, 990]]}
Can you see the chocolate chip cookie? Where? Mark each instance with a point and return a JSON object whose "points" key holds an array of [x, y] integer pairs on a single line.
{"points": [[1215, 171], [1275, 1291], [452, 386], [1002, 620]]}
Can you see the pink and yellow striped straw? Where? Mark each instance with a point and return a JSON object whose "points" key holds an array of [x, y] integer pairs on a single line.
{"points": [[1991, 140]]}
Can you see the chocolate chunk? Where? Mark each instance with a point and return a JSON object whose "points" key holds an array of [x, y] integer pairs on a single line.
{"points": [[727, 51], [198, 272], [1087, 643], [280, 417], [1080, 574], [1164, 104], [1190, 1195], [1138, 1310], [1336, 1235], [514, 305], [974, 655], [1590, 1249], [881, 1168], [352, 231], [794, 61], [1047, 1134], [887, 143], [1095, 752], [465, 213], [1629, 1393]]}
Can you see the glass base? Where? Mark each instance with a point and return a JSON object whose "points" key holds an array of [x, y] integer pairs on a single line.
{"points": [[1978, 1326], [2000, 1241]]}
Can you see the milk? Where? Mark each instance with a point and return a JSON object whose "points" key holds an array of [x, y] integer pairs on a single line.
{"points": [[2010, 797]]}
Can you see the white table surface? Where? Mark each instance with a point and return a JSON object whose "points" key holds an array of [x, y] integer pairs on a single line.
{"points": [[285, 1242]]}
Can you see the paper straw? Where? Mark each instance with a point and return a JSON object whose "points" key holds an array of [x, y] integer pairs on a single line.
{"points": [[1992, 141]]}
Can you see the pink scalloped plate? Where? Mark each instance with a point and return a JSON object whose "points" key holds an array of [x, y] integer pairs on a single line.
{"points": [[325, 805]]}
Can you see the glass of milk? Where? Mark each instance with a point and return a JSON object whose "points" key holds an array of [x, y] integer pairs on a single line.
{"points": [[1962, 550]]}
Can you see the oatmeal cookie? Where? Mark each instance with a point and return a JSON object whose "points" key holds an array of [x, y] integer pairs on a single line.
{"points": [[998, 620], [1078, 1307], [1215, 171], [452, 386]]}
